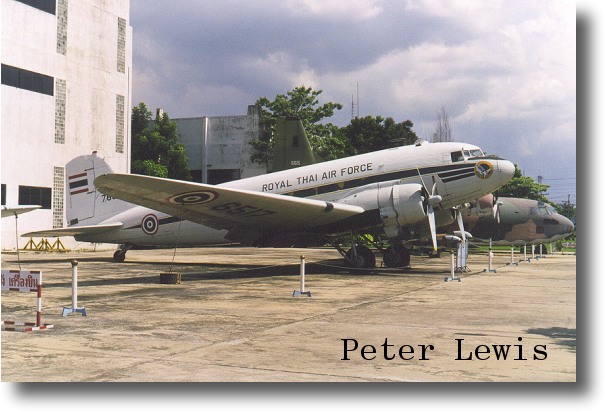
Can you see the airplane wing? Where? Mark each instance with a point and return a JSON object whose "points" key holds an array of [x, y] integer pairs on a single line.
{"points": [[75, 230], [224, 208], [17, 210]]}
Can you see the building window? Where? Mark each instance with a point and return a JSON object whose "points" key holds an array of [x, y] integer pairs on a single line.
{"points": [[31, 195], [217, 176], [119, 124], [60, 106], [62, 27], [58, 196], [3, 194], [121, 45], [24, 79], [44, 5]]}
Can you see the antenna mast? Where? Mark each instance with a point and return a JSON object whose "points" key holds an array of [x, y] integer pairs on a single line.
{"points": [[354, 113]]}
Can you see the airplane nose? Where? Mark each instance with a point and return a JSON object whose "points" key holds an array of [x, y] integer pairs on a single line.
{"points": [[507, 170], [566, 223]]}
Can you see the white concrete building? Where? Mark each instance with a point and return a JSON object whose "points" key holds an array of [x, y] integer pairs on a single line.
{"points": [[66, 91], [218, 147]]}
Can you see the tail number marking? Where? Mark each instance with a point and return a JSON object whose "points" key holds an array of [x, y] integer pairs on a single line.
{"points": [[237, 209]]}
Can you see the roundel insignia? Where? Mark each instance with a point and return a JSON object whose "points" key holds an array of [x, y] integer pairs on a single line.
{"points": [[483, 169], [150, 224], [194, 198]]}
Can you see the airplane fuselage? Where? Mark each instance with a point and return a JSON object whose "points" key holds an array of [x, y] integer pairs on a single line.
{"points": [[387, 184]]}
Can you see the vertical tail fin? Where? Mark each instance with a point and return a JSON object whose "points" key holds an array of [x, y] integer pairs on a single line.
{"points": [[84, 204], [292, 147]]}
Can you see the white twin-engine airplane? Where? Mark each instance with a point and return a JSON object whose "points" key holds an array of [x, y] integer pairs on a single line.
{"points": [[387, 194]]}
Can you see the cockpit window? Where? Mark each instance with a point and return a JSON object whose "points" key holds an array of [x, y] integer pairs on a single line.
{"points": [[466, 154], [473, 153], [457, 157], [542, 210]]}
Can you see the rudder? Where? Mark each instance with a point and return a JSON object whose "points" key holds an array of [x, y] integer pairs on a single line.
{"points": [[84, 204]]}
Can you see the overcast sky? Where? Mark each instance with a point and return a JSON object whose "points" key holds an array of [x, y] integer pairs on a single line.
{"points": [[505, 71]]}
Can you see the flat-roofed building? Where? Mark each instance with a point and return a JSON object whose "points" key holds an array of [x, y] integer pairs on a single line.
{"points": [[66, 91], [218, 147]]}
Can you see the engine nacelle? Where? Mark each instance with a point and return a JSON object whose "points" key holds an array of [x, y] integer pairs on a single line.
{"points": [[401, 205]]}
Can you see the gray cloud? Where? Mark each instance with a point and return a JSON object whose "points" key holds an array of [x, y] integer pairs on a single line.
{"points": [[504, 71]]}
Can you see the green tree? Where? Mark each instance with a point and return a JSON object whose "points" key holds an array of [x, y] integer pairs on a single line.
{"points": [[156, 146], [368, 134], [523, 187], [301, 102]]}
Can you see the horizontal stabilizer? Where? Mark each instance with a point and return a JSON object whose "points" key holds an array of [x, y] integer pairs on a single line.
{"points": [[75, 230], [17, 210]]}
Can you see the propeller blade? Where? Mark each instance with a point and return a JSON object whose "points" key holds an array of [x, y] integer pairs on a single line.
{"points": [[431, 217], [428, 200], [496, 209], [421, 180]]}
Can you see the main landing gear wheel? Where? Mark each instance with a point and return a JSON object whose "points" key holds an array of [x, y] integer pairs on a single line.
{"points": [[119, 256], [396, 256], [363, 259]]}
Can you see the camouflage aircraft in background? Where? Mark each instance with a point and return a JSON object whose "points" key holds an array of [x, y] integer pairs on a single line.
{"points": [[513, 221]]}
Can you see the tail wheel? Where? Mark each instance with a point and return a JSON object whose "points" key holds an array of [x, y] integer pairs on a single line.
{"points": [[364, 258], [396, 256]]}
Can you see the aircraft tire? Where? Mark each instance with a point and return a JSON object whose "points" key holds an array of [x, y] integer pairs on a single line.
{"points": [[396, 256], [365, 258], [119, 256]]}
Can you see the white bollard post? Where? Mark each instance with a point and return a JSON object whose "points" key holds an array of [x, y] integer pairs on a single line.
{"points": [[74, 292], [74, 283], [512, 257], [452, 269], [302, 274], [491, 256], [302, 280]]}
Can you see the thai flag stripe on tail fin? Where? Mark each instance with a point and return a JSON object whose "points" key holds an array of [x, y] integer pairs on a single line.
{"points": [[77, 184]]}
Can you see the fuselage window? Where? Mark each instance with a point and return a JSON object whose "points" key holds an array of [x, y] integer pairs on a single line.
{"points": [[457, 157]]}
